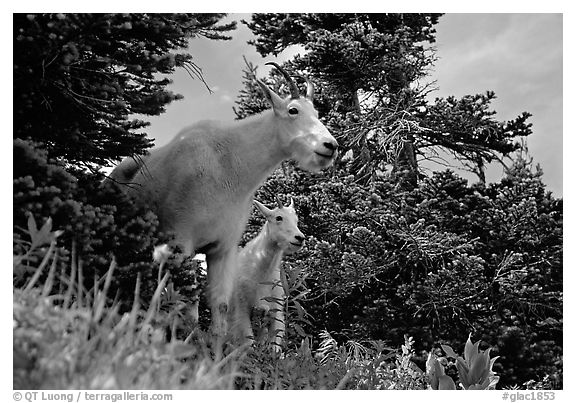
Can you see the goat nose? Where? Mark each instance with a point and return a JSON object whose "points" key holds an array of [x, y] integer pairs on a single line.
{"points": [[299, 238], [333, 146]]}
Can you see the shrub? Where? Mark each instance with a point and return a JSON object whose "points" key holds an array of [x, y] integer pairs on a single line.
{"points": [[97, 221], [439, 261]]}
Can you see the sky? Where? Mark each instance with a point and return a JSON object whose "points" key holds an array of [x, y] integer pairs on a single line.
{"points": [[518, 56]]}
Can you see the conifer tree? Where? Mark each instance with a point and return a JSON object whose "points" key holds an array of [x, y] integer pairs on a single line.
{"points": [[367, 67], [80, 78], [390, 251]]}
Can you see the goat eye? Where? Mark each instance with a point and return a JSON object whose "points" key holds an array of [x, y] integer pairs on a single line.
{"points": [[279, 219], [293, 111]]}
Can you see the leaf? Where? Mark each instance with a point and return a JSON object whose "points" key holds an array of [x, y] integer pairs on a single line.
{"points": [[430, 364], [488, 383], [183, 350], [492, 362], [493, 381], [438, 369], [462, 372], [47, 227], [300, 311], [449, 351], [299, 329], [43, 235], [488, 367], [477, 369], [470, 351], [460, 360], [435, 372], [32, 228], [446, 383]]}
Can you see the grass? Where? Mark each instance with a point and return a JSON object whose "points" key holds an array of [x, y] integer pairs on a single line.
{"points": [[79, 339], [64, 342], [70, 347]]}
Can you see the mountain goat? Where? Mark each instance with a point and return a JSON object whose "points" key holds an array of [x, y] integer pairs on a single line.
{"points": [[257, 284], [201, 184]]}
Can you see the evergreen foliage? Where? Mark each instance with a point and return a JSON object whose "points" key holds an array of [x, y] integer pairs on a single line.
{"points": [[80, 78], [97, 223], [389, 255], [368, 69]]}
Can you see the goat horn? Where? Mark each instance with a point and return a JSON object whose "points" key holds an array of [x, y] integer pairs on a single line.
{"points": [[294, 92], [309, 88], [279, 202], [291, 203]]}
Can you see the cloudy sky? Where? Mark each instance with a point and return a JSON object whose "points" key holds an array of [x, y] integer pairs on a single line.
{"points": [[519, 56]]}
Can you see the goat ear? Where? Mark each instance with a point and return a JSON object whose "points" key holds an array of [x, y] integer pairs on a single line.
{"points": [[272, 98], [266, 212]]}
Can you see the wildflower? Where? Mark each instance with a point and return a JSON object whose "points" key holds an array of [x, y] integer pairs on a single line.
{"points": [[161, 253]]}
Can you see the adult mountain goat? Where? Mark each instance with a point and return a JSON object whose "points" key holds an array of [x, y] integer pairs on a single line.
{"points": [[258, 284], [201, 184]]}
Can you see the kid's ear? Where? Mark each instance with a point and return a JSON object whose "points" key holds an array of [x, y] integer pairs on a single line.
{"points": [[273, 99], [265, 211]]}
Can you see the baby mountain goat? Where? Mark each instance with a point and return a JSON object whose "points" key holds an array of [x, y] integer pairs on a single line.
{"points": [[258, 284], [201, 184]]}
